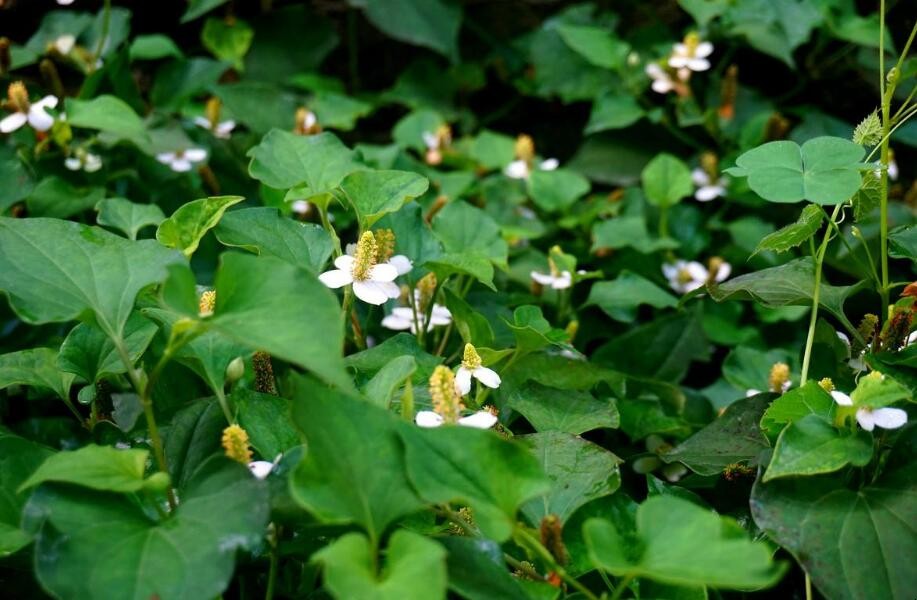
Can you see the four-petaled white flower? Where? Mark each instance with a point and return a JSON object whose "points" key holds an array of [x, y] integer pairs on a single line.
{"points": [[402, 317], [560, 281], [687, 276], [372, 283], [472, 367], [181, 161], [520, 169], [870, 418], [707, 189], [221, 130], [691, 54], [33, 113], [83, 160], [65, 43]]}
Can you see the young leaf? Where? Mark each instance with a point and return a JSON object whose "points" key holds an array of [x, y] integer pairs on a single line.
{"points": [[666, 180], [187, 225], [375, 193], [576, 412], [35, 367], [96, 467], [811, 445], [681, 543], [794, 234], [825, 170], [128, 217], [795, 404], [319, 162]]}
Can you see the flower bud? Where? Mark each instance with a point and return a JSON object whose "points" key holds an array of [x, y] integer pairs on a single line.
{"points": [[235, 370]]}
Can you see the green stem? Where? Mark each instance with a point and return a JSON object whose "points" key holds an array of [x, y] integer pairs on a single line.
{"points": [[272, 572], [622, 585], [819, 260], [326, 224], [543, 553], [663, 221], [221, 398], [106, 23], [808, 587]]}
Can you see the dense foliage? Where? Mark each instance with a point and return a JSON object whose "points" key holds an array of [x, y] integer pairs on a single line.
{"points": [[409, 299]]}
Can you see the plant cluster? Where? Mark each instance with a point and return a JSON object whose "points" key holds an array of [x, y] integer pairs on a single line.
{"points": [[574, 305]]}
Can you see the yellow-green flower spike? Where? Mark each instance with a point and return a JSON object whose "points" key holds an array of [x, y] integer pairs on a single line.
{"points": [[446, 400], [427, 287], [19, 96], [826, 384], [385, 244], [364, 259], [207, 303], [525, 148], [235, 444], [780, 374], [471, 360]]}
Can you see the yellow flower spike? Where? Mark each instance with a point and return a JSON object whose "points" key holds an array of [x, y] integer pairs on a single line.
{"points": [[446, 401], [426, 288], [207, 303], [826, 384], [525, 148], [471, 360], [779, 379], [385, 244], [235, 444], [212, 110], [365, 256], [710, 164], [19, 96], [692, 40]]}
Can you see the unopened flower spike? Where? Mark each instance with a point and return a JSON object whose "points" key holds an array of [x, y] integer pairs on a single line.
{"points": [[207, 303], [306, 122], [524, 150], [691, 54], [211, 120], [472, 367], [779, 379], [385, 252], [372, 283], [235, 444], [447, 404], [707, 179], [26, 112]]}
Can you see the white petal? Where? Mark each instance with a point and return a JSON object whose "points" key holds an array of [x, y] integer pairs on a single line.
{"points": [[300, 207], [46, 102], [549, 164], [858, 364], [370, 292], [670, 270], [401, 263], [678, 62], [344, 262], [65, 2], [698, 64], [181, 165], [697, 271], [518, 169], [703, 49], [463, 381], [166, 158], [195, 154], [64, 44], [73, 163], [911, 338], [397, 322], [39, 119], [383, 272], [752, 392], [336, 278], [202, 122], [93, 163], [707, 193], [843, 337], [483, 419], [724, 270], [404, 312], [428, 418], [563, 282], [663, 86], [841, 398], [390, 288], [440, 315], [700, 177], [889, 418], [654, 71], [310, 119], [892, 170], [864, 418], [487, 376], [225, 128], [13, 122], [261, 468], [542, 278], [430, 140]]}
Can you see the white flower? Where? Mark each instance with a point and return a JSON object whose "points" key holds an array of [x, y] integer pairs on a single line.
{"points": [[221, 130], [34, 114], [472, 367], [870, 418], [687, 276], [662, 80], [372, 283], [402, 317], [181, 161], [706, 189], [559, 282], [83, 160], [483, 419], [261, 468], [520, 169], [691, 54], [65, 43]]}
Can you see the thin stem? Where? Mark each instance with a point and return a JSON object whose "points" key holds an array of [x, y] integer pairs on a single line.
{"points": [[622, 585], [548, 558], [808, 587], [326, 224], [521, 566], [442, 343], [106, 23], [272, 572], [221, 398]]}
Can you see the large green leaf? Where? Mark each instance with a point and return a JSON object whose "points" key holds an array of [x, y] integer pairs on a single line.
{"points": [[414, 568], [227, 40], [375, 193], [18, 459], [854, 543], [430, 23], [557, 189], [268, 304], [619, 299], [825, 170], [550, 409], [467, 230], [366, 484], [128, 217], [579, 471], [192, 437], [90, 354], [666, 180], [187, 225], [466, 465], [597, 45], [680, 543], [35, 367], [811, 445], [734, 437], [477, 570], [56, 197], [265, 231], [789, 284], [60, 271], [96, 467], [318, 162], [267, 421], [795, 404], [108, 114], [188, 555], [613, 111]]}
